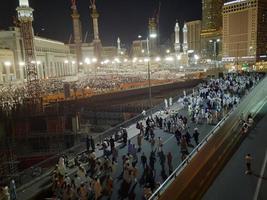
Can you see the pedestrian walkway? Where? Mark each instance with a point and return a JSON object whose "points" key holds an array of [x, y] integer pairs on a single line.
{"points": [[169, 142], [233, 183], [43, 182], [209, 98], [170, 145]]}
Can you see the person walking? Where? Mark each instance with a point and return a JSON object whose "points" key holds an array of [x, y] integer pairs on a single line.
{"points": [[124, 136], [152, 142], [159, 144], [134, 154], [169, 162], [196, 136], [115, 154], [139, 141], [12, 190], [184, 149], [88, 144], [162, 159], [112, 143], [178, 136], [152, 160], [92, 143], [188, 139], [97, 188], [143, 160], [169, 126], [130, 147], [248, 159]]}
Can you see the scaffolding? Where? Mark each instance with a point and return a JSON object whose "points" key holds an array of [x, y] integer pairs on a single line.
{"points": [[25, 16], [8, 166]]}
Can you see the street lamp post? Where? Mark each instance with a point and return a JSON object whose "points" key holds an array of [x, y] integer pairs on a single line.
{"points": [[148, 73]]}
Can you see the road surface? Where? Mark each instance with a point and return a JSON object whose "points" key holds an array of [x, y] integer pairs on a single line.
{"points": [[233, 183]]}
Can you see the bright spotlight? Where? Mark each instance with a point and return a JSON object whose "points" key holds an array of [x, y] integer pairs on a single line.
{"points": [[158, 59], [146, 59], [153, 35], [7, 63], [87, 61], [21, 63], [169, 58]]}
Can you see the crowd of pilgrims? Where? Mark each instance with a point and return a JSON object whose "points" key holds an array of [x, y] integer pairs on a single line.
{"points": [[107, 82], [12, 95], [96, 178]]}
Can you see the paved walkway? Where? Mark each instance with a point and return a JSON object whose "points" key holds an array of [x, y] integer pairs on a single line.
{"points": [[233, 183], [170, 145]]}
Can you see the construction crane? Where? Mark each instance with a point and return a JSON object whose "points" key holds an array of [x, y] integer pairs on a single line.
{"points": [[156, 16], [25, 17]]}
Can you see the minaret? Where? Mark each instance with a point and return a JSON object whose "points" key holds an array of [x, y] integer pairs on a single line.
{"points": [[185, 44], [77, 33], [96, 41], [118, 46], [177, 45], [25, 17]]}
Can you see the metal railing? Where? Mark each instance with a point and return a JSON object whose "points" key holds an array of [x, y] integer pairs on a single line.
{"points": [[185, 162], [205, 140]]}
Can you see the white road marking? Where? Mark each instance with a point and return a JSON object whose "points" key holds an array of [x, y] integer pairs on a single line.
{"points": [[168, 139], [261, 176]]}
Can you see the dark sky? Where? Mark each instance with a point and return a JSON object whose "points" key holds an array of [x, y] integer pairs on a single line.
{"points": [[123, 18]]}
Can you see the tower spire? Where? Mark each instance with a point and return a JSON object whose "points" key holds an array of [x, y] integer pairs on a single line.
{"points": [[185, 43], [177, 45], [95, 16], [24, 3], [77, 32], [96, 41], [118, 46]]}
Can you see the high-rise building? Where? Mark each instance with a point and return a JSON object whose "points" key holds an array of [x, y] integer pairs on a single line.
{"points": [[245, 31], [139, 48], [211, 14], [211, 32], [193, 35]]}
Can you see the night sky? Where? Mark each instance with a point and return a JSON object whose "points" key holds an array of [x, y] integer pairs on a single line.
{"points": [[118, 18]]}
